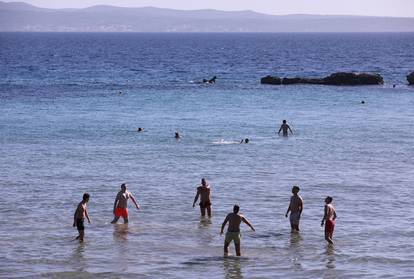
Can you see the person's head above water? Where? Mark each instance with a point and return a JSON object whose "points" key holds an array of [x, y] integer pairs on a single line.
{"points": [[328, 199], [236, 208], [177, 135], [295, 189], [246, 140], [123, 187], [284, 121], [85, 197]]}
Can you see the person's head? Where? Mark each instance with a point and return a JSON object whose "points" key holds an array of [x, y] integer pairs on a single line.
{"points": [[140, 129], [85, 197], [284, 121], [328, 200], [203, 181], [177, 135], [295, 189], [236, 208], [246, 140], [123, 187]]}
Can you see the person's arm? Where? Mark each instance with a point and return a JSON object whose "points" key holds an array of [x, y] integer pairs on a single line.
{"points": [[87, 215], [247, 223], [74, 216], [300, 206], [134, 201], [334, 214], [224, 224], [324, 215], [280, 129], [287, 211], [116, 201], [196, 197], [290, 130]]}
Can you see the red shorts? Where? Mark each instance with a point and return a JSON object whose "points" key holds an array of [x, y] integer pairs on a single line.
{"points": [[121, 212], [330, 226]]}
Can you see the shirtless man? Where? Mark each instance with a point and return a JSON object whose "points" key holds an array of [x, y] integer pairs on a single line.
{"points": [[80, 214], [329, 216], [285, 127], [233, 231], [204, 193], [121, 204], [295, 208]]}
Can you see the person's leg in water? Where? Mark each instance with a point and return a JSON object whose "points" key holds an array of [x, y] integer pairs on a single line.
{"points": [[328, 234], [125, 219], [226, 247], [237, 246], [81, 235], [202, 211], [115, 220], [209, 211]]}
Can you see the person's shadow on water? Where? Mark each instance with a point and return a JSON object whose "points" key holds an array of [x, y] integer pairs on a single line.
{"points": [[330, 256], [232, 267]]}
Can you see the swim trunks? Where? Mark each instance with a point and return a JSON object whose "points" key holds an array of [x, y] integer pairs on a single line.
{"points": [[330, 226], [79, 224], [121, 212], [205, 204], [233, 236], [294, 218]]}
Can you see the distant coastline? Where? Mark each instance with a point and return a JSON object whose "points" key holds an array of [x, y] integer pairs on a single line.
{"points": [[22, 17]]}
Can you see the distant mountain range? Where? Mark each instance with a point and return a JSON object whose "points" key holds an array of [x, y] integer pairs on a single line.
{"points": [[19, 16]]}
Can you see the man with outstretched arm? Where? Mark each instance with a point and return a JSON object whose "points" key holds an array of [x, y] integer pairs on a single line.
{"points": [[121, 204], [233, 231]]}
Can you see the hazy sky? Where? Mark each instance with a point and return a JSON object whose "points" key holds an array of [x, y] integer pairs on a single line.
{"points": [[403, 8]]}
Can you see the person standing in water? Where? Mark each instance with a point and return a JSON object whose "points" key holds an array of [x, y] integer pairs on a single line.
{"points": [[80, 214], [121, 204], [204, 192], [329, 218], [285, 128], [295, 208], [233, 231]]}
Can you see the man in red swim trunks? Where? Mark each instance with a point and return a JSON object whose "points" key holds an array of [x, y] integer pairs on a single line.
{"points": [[121, 204], [203, 192], [329, 216]]}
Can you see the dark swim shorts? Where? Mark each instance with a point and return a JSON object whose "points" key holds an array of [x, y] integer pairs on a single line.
{"points": [[205, 204], [79, 224]]}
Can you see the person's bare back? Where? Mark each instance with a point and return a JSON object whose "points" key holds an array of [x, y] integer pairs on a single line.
{"points": [[234, 220], [123, 199], [296, 204]]}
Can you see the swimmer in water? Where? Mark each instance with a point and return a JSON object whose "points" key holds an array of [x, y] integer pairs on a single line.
{"points": [[204, 192], [121, 204], [80, 214], [329, 218], [295, 208], [285, 128], [177, 135], [140, 130]]}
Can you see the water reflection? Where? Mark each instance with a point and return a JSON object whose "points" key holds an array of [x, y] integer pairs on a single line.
{"points": [[330, 255], [77, 256], [121, 232], [295, 248], [204, 223], [232, 268]]}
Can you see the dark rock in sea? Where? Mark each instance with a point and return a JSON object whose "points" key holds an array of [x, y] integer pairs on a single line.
{"points": [[353, 79], [410, 78], [334, 79], [271, 80]]}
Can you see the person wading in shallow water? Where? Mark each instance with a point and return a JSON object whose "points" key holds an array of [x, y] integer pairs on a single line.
{"points": [[285, 127], [329, 218], [295, 208], [204, 192], [121, 204], [80, 214], [233, 231]]}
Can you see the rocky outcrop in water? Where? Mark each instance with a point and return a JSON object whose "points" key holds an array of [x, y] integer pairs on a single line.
{"points": [[410, 78], [334, 79]]}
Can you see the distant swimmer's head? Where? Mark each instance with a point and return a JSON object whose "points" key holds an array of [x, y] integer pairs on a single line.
{"points": [[295, 189], [246, 140], [236, 208], [393, 86], [177, 135], [328, 200], [204, 182], [85, 197], [123, 187], [140, 129], [362, 102], [284, 121]]}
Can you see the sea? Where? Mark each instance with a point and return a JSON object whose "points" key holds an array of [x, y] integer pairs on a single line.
{"points": [[70, 107]]}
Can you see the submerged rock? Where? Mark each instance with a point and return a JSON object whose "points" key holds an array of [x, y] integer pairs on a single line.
{"points": [[334, 79], [271, 80], [410, 78]]}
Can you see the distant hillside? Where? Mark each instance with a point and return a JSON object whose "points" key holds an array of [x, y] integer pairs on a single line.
{"points": [[18, 16]]}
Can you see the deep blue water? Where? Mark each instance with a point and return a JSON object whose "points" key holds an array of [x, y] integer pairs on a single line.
{"points": [[65, 129]]}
